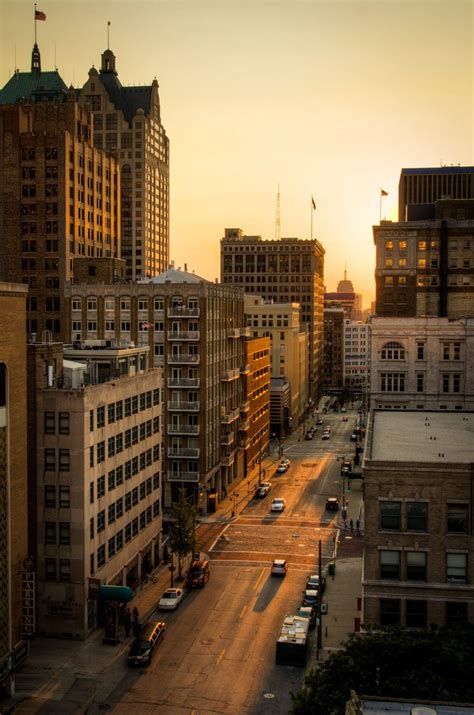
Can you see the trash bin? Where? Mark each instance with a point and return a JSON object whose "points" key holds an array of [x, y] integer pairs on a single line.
{"points": [[331, 569]]}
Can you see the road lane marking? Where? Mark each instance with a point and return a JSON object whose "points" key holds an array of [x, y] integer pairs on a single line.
{"points": [[218, 537], [243, 611], [258, 580], [221, 655]]}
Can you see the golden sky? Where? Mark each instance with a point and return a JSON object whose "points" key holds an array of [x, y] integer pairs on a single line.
{"points": [[329, 99]]}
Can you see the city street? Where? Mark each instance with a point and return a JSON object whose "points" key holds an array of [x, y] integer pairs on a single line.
{"points": [[218, 654]]}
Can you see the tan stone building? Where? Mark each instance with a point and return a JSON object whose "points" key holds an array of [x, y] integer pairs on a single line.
{"points": [[59, 195], [422, 363], [287, 271], [99, 465], [127, 120], [419, 555], [289, 344], [196, 332], [16, 573]]}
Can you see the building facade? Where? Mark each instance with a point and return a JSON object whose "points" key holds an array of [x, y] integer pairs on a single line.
{"points": [[196, 331], [59, 195], [256, 407], [422, 363], [16, 573], [418, 556], [127, 120], [289, 347], [99, 464], [356, 371], [333, 373], [426, 267], [287, 271], [419, 189]]}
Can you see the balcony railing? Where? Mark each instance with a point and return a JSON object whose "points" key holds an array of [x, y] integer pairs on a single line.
{"points": [[245, 369], [233, 333], [182, 406], [190, 452], [182, 311], [182, 429], [245, 406], [230, 417], [228, 460], [230, 375], [245, 332], [244, 425], [183, 359], [183, 476], [183, 382], [227, 439], [183, 334]]}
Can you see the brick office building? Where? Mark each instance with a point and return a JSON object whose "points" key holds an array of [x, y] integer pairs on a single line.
{"points": [[59, 195], [419, 550], [256, 406]]}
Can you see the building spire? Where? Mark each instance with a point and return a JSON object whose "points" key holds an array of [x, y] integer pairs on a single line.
{"points": [[36, 59], [345, 270]]}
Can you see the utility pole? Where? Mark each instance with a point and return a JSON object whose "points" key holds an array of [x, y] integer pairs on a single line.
{"points": [[319, 642]]}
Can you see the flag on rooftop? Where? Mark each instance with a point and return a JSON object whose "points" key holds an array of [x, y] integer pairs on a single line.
{"points": [[39, 15], [383, 193], [313, 203]]}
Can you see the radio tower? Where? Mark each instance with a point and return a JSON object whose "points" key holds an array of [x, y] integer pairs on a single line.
{"points": [[277, 219]]}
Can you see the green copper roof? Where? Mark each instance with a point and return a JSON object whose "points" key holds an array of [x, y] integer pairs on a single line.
{"points": [[33, 87]]}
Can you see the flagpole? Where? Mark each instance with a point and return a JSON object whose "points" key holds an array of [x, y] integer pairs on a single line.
{"points": [[380, 208], [35, 23], [311, 218]]}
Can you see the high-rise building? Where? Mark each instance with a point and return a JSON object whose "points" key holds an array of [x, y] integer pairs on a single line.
{"points": [[419, 189], [426, 267], [59, 195], [127, 120], [417, 519], [356, 361], [280, 322], [99, 464], [333, 371], [196, 331], [17, 618], [256, 406], [290, 270]]}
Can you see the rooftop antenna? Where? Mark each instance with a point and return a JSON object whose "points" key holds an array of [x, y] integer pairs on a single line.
{"points": [[277, 218], [55, 63], [108, 34], [345, 270]]}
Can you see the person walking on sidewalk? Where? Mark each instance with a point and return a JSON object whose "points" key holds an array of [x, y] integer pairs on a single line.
{"points": [[351, 524], [135, 616], [358, 527]]}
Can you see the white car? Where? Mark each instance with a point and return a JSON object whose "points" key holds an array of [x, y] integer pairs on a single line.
{"points": [[278, 505], [279, 567], [283, 466], [171, 599]]}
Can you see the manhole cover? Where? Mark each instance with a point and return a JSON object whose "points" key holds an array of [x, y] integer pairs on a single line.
{"points": [[295, 536], [348, 538], [269, 696]]}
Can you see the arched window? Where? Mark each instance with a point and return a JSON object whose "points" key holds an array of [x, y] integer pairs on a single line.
{"points": [[393, 351]]}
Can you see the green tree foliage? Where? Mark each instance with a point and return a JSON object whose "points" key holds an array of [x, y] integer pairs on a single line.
{"points": [[437, 664], [182, 531]]}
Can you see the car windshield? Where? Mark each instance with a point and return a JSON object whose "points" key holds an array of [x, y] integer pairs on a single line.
{"points": [[196, 572], [169, 595]]}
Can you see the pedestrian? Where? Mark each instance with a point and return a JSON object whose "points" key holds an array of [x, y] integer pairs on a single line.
{"points": [[357, 527], [127, 622], [351, 524], [135, 616], [136, 628]]}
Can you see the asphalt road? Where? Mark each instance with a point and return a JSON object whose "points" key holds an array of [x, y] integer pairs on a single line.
{"points": [[218, 655]]}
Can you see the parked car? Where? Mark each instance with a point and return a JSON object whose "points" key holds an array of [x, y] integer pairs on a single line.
{"points": [[142, 649], [279, 567], [345, 418], [171, 599], [278, 505], [353, 437], [198, 574], [309, 435], [263, 490], [313, 583], [283, 466], [343, 409], [332, 504], [310, 597], [319, 421], [326, 435]]}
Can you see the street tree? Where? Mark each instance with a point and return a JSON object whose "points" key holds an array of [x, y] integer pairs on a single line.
{"points": [[436, 664], [182, 530]]}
